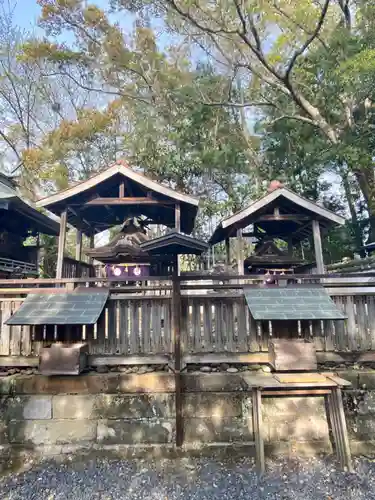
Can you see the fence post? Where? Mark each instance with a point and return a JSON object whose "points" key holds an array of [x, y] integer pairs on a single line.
{"points": [[176, 335]]}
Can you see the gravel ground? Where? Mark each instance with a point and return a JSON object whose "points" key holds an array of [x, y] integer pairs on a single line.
{"points": [[94, 478]]}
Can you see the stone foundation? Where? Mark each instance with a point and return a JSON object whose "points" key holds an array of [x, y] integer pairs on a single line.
{"points": [[53, 415]]}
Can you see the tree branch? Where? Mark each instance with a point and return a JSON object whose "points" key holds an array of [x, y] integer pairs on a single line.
{"points": [[310, 39], [300, 118]]}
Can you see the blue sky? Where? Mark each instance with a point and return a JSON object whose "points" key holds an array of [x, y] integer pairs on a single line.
{"points": [[26, 13]]}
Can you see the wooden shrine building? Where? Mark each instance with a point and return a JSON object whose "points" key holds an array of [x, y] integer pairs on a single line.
{"points": [[18, 221], [279, 215], [109, 199]]}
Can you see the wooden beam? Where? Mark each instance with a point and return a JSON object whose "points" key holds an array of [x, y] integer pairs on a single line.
{"points": [[91, 245], [61, 245], [283, 217], [318, 247], [135, 200], [79, 245]]}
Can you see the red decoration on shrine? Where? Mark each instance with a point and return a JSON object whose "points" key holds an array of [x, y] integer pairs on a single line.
{"points": [[275, 185]]}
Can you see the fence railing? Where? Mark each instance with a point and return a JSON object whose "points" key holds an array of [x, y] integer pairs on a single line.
{"points": [[77, 269], [213, 317]]}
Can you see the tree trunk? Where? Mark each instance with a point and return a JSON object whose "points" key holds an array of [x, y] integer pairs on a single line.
{"points": [[358, 240], [366, 181]]}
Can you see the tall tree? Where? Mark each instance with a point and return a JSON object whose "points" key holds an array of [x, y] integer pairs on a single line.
{"points": [[270, 44]]}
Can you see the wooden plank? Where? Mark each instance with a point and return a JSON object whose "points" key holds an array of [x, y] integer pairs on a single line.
{"points": [[185, 338], [318, 247], [340, 327], [146, 326], [112, 328], [258, 430], [131, 360], [351, 324], [124, 326], [363, 338], [253, 332], [328, 336], [5, 329], [156, 326], [371, 321], [230, 334], [26, 340], [15, 337], [242, 333], [167, 338], [297, 392]]}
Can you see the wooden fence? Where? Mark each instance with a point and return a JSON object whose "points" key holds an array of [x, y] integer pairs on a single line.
{"points": [[137, 321]]}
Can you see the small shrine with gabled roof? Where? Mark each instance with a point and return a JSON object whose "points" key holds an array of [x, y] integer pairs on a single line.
{"points": [[279, 215], [122, 196]]}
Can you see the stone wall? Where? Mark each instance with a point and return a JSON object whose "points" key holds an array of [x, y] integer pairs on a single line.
{"points": [[125, 412]]}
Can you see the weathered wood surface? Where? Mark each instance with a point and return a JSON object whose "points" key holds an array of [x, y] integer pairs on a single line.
{"points": [[140, 323]]}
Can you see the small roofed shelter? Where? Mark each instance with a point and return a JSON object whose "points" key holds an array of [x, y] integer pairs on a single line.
{"points": [[18, 220], [110, 197], [280, 214]]}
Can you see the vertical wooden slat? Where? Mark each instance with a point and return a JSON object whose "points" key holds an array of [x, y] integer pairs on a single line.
{"points": [[100, 344], [329, 337], [230, 337], [341, 327], [156, 326], [124, 326], [371, 320], [168, 326], [5, 329], [196, 325], [135, 329], [26, 340], [111, 325], [253, 332], [184, 325], [362, 323], [15, 337], [351, 325], [241, 325], [146, 326]]}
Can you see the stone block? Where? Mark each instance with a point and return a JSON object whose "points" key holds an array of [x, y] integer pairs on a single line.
{"points": [[351, 376], [50, 432], [361, 427], [134, 432], [212, 405], [146, 383], [366, 380], [92, 383], [297, 406], [298, 428], [213, 382], [366, 448], [366, 403], [218, 429], [26, 407], [3, 432], [108, 406]]}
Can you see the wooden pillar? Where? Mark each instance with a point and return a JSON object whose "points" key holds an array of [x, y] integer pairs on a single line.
{"points": [[176, 336], [61, 246], [290, 247], [121, 191], [318, 247], [227, 251], [240, 263], [177, 215], [91, 245], [79, 245]]}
